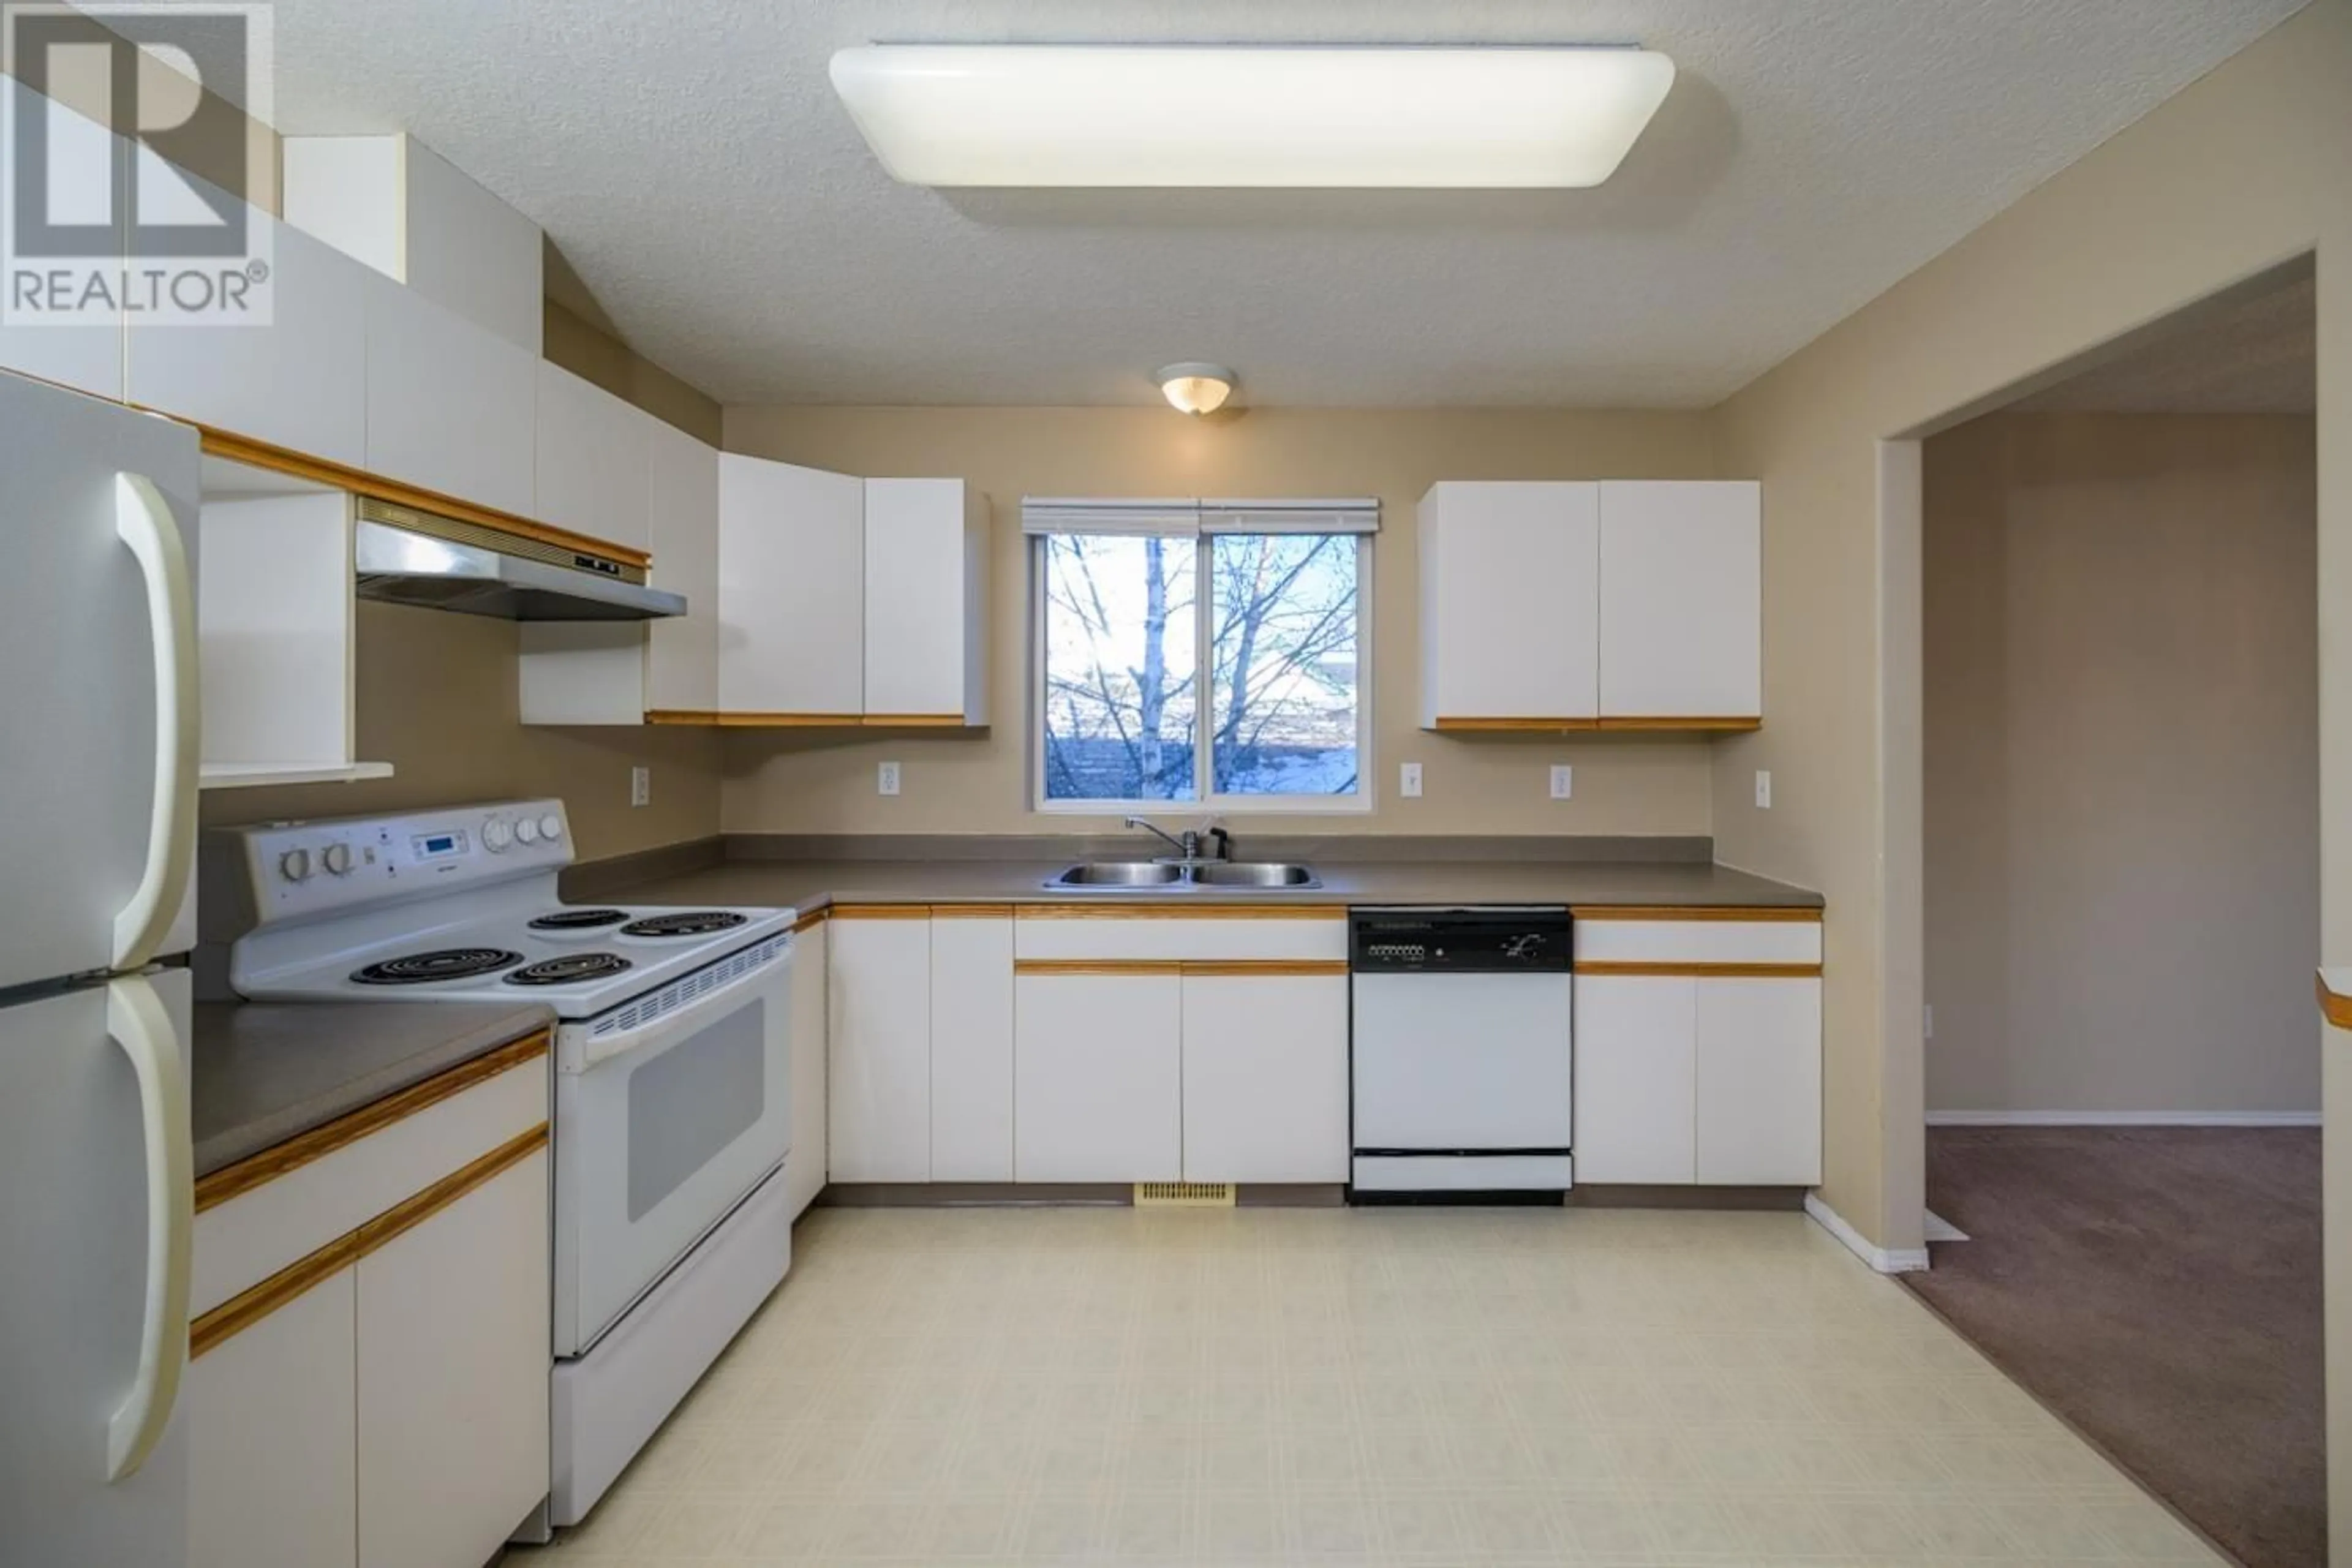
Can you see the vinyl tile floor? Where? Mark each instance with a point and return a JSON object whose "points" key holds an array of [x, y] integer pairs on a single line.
{"points": [[1349, 1386]]}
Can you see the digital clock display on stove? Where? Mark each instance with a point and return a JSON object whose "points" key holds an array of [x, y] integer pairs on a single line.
{"points": [[439, 846]]}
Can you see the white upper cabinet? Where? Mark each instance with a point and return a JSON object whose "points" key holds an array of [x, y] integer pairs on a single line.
{"points": [[1510, 604], [791, 591], [299, 383], [450, 408], [682, 532], [591, 452], [925, 597], [1681, 600]]}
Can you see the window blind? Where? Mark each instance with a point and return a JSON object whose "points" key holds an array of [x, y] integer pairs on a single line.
{"points": [[1189, 518]]}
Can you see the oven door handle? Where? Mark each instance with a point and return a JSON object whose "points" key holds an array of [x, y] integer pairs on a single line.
{"points": [[658, 1031]]}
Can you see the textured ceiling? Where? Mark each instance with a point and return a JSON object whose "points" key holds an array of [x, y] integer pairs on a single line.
{"points": [[2257, 357], [692, 165]]}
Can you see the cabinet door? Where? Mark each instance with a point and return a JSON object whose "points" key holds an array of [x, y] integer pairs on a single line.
{"points": [[1510, 602], [449, 406], [879, 1074], [1760, 1081], [804, 1167], [1681, 599], [1636, 1058], [682, 532], [1097, 1089], [272, 1477], [925, 569], [1265, 1078], [590, 459], [792, 589], [971, 1048], [454, 1357]]}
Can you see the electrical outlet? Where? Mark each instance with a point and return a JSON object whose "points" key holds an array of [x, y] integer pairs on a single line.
{"points": [[640, 786], [1763, 789], [1563, 782], [886, 778], [1409, 780]]}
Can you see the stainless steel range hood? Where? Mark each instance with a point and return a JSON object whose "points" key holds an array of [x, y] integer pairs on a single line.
{"points": [[409, 557]]}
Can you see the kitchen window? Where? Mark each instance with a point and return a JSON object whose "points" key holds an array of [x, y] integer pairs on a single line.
{"points": [[1203, 653]]}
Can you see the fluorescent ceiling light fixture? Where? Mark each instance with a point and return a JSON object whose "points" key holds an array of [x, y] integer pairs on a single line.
{"points": [[1115, 116], [1194, 386]]}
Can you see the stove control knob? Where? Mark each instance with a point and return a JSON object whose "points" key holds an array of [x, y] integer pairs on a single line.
{"points": [[527, 830], [550, 827], [496, 835], [337, 858], [295, 865]]}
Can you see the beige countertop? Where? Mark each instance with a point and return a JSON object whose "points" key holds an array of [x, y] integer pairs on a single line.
{"points": [[807, 885], [263, 1072]]}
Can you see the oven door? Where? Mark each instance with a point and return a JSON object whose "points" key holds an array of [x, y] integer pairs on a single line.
{"points": [[668, 1111]]}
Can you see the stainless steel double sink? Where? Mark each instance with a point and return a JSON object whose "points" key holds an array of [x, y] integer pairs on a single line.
{"points": [[1179, 876]]}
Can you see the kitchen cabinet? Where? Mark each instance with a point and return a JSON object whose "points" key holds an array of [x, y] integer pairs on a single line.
{"points": [[1636, 1066], [1098, 1078], [454, 1352], [297, 383], [792, 592], [1681, 600], [681, 669], [591, 459], [272, 1473], [450, 408], [972, 1044], [878, 1044], [926, 577], [804, 1167], [1510, 604], [1759, 1081], [1264, 1075]]}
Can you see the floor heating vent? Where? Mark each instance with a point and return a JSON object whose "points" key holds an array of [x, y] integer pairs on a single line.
{"points": [[1185, 1195]]}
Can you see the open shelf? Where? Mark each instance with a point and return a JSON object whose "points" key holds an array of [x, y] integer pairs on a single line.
{"points": [[253, 775]]}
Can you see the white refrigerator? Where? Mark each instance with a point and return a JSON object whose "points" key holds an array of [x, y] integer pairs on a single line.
{"points": [[98, 804]]}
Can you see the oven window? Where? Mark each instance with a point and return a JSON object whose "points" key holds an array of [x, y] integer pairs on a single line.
{"points": [[691, 1101]]}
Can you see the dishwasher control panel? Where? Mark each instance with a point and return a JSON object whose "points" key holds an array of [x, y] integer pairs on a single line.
{"points": [[1520, 939]]}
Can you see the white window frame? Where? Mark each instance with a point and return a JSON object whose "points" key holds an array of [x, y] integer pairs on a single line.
{"points": [[1206, 804]]}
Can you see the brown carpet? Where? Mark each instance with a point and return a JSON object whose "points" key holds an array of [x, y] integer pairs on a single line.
{"points": [[2159, 1290]]}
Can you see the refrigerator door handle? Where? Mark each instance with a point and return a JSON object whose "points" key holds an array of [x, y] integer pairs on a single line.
{"points": [[137, 1021], [142, 520]]}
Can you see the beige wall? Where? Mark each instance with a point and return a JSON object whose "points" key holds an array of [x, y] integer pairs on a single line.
{"points": [[2122, 795], [2237, 174], [594, 354], [438, 699], [1623, 784]]}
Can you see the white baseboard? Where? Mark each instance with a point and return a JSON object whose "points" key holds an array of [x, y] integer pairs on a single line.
{"points": [[1907, 1260], [2123, 1119], [1938, 1228]]}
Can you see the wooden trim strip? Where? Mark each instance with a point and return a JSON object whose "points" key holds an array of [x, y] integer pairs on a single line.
{"points": [[680, 716], [248, 1173], [786, 721], [1760, 913], [1098, 966], [972, 912], [1705, 971], [411, 1212], [1514, 725], [2333, 1006], [813, 918], [1667, 722], [916, 721], [245, 449], [1255, 968], [881, 912], [1164, 909], [250, 1306]]}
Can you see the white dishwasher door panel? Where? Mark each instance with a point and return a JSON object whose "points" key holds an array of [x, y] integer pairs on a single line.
{"points": [[1462, 1061]]}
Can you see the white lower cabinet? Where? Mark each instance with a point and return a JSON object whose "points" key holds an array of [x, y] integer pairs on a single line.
{"points": [[1097, 1077], [971, 1046], [1635, 1072], [1265, 1078], [879, 1042], [453, 1356], [271, 1480], [804, 1167], [1760, 1081]]}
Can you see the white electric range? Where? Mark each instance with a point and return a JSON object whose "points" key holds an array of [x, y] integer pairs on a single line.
{"points": [[672, 1108]]}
